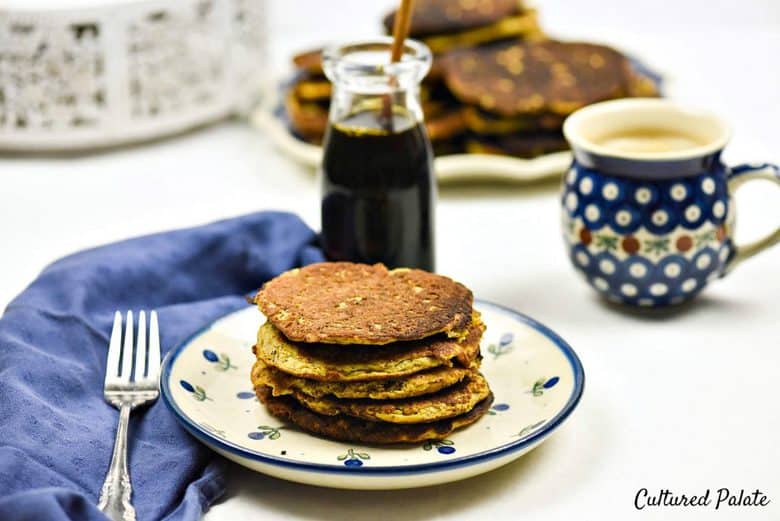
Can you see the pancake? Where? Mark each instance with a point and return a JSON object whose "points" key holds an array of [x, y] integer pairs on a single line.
{"points": [[417, 384], [348, 303], [549, 77], [452, 401], [313, 89], [524, 26], [446, 125], [444, 25], [640, 86], [454, 145], [310, 61], [348, 428], [435, 73], [308, 119], [430, 17], [484, 123], [528, 145], [333, 363]]}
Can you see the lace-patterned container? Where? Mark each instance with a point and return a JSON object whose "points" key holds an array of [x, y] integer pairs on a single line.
{"points": [[79, 74]]}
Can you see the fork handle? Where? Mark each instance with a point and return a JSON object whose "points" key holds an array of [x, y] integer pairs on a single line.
{"points": [[115, 494]]}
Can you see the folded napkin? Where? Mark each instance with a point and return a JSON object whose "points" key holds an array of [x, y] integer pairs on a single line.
{"points": [[56, 431]]}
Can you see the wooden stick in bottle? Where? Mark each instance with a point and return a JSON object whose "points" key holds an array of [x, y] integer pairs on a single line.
{"points": [[403, 20]]}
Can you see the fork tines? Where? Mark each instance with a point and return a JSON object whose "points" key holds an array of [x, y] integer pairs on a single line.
{"points": [[122, 368]]}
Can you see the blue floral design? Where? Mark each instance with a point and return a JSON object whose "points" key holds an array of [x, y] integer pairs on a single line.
{"points": [[543, 384], [503, 347], [498, 407], [265, 431], [198, 392], [353, 459], [245, 395], [222, 360], [442, 446]]}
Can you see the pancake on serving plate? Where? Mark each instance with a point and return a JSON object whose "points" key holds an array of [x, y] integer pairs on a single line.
{"points": [[347, 428], [455, 400], [359, 352], [529, 78], [312, 89], [339, 363], [308, 119], [349, 303], [309, 61], [522, 144], [444, 25], [517, 94], [416, 384], [307, 103]]}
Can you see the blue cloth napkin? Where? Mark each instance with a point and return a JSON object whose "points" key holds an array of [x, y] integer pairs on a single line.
{"points": [[56, 431]]}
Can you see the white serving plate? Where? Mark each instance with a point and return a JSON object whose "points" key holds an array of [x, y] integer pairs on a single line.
{"points": [[535, 376]]}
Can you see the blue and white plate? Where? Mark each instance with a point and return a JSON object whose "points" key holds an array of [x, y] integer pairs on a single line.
{"points": [[536, 378]]}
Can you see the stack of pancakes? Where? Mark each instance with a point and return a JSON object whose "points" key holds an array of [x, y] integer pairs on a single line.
{"points": [[443, 25], [307, 103], [446, 26], [496, 85], [361, 353], [516, 95], [307, 100]]}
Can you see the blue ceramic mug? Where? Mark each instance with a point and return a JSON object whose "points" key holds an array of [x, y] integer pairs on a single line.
{"points": [[648, 215]]}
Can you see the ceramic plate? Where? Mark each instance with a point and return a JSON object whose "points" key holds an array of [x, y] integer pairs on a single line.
{"points": [[536, 377], [271, 118]]}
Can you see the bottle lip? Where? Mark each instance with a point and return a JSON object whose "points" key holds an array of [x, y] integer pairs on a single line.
{"points": [[372, 58]]}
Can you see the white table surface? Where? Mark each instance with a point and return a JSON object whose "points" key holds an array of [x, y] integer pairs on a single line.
{"points": [[686, 401]]}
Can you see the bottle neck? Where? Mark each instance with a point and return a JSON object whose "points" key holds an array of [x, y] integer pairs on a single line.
{"points": [[349, 106]]}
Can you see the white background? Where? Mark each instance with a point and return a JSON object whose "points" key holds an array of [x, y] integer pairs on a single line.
{"points": [[685, 401]]}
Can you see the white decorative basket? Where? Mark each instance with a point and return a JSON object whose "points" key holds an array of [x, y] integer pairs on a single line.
{"points": [[91, 73]]}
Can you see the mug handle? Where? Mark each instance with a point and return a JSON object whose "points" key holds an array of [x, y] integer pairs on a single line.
{"points": [[740, 175]]}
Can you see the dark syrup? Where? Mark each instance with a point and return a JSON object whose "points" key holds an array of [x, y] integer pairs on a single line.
{"points": [[378, 192]]}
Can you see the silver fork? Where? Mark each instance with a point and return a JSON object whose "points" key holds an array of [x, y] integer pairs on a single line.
{"points": [[129, 384]]}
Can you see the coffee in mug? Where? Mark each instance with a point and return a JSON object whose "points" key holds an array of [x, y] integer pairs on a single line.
{"points": [[648, 213]]}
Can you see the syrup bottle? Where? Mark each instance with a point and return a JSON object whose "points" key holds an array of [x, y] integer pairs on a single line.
{"points": [[378, 188]]}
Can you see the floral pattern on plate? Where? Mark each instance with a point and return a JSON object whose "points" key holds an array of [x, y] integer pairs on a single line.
{"points": [[536, 378]]}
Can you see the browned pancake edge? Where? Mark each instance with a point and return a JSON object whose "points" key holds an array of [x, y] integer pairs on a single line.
{"points": [[349, 303], [347, 428]]}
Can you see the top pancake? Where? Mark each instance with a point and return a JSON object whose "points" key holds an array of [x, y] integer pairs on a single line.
{"points": [[310, 61], [348, 303], [517, 78], [446, 16]]}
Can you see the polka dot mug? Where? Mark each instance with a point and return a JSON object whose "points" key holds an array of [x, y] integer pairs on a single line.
{"points": [[653, 227]]}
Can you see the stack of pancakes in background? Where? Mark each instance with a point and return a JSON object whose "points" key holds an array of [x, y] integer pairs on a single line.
{"points": [[446, 26], [307, 101], [497, 85], [443, 25], [516, 95], [361, 353]]}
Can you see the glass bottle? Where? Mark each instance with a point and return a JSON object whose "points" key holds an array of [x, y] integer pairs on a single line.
{"points": [[378, 188]]}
